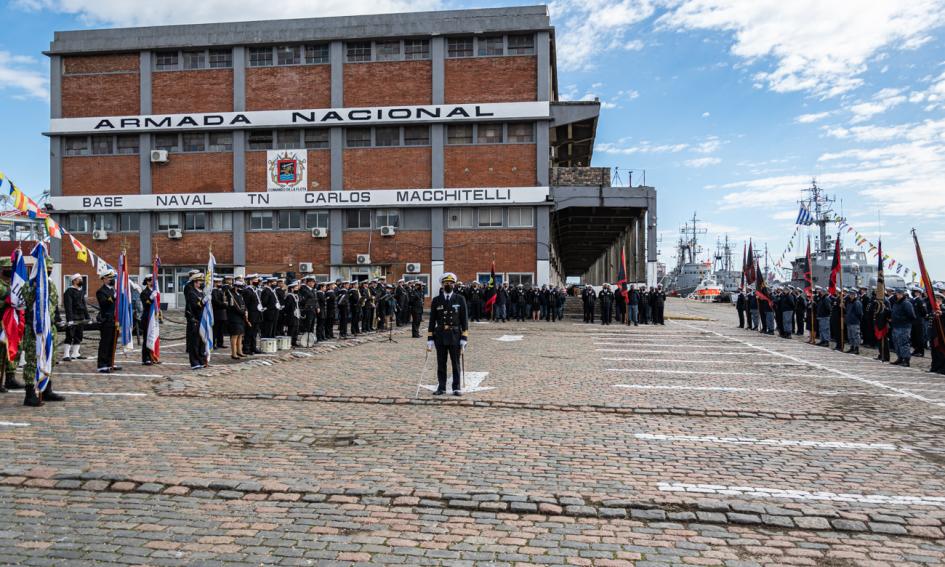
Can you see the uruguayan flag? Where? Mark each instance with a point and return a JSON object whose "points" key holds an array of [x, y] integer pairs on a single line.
{"points": [[206, 319], [42, 320], [804, 217]]}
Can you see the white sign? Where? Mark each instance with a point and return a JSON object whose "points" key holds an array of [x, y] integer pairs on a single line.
{"points": [[304, 199], [308, 117], [287, 170]]}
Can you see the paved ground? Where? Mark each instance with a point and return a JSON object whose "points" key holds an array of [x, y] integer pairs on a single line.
{"points": [[693, 443]]}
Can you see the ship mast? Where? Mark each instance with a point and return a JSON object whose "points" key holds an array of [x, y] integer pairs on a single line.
{"points": [[819, 204], [691, 244]]}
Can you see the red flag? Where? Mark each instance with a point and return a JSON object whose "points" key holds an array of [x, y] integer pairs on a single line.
{"points": [[938, 342], [750, 272], [491, 301], [761, 288], [808, 277], [835, 268], [881, 332], [743, 265], [622, 274]]}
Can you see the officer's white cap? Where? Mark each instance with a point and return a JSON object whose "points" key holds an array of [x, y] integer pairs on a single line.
{"points": [[108, 274], [448, 277], [75, 277]]}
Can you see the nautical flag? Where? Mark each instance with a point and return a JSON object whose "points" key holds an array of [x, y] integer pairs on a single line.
{"points": [[835, 268], [761, 288], [938, 342], [123, 312], [22, 202], [808, 273], [622, 274], [206, 319], [153, 338], [52, 227], [81, 252], [491, 301], [14, 323], [804, 217], [42, 321]]}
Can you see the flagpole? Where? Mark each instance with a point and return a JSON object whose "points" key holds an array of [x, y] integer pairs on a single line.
{"points": [[841, 342]]}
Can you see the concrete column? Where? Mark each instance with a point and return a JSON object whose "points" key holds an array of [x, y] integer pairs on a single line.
{"points": [[144, 162], [239, 79], [239, 161], [543, 152], [438, 58], [543, 245], [336, 57], [651, 249], [543, 54], [437, 252]]}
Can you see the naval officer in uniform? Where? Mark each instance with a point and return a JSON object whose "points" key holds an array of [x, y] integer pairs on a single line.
{"points": [[448, 331]]}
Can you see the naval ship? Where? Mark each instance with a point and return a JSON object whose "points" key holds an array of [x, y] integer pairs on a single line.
{"points": [[689, 271], [858, 269], [725, 273]]}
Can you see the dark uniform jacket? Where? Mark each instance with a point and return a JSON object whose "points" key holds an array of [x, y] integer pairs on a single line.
{"points": [[194, 299], [903, 313], [449, 323], [824, 306], [106, 304], [73, 302], [216, 299], [251, 301]]}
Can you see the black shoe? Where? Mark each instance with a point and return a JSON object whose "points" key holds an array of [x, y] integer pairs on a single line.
{"points": [[898, 362], [148, 363], [104, 370], [823, 344], [457, 393], [905, 363], [66, 359], [439, 392], [11, 383], [116, 368], [32, 400], [851, 350], [919, 354], [80, 357], [50, 396]]}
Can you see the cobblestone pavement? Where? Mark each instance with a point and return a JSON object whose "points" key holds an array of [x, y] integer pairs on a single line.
{"points": [[690, 443]]}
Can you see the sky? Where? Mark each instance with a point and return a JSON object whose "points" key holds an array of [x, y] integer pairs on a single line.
{"points": [[728, 107]]}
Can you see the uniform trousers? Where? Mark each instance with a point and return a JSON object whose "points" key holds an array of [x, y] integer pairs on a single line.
{"points": [[454, 352], [902, 342]]}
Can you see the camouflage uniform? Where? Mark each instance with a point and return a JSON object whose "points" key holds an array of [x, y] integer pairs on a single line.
{"points": [[7, 367], [28, 344]]}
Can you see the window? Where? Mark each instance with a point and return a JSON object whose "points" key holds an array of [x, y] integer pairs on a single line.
{"points": [[460, 218], [459, 134], [290, 220], [459, 47], [165, 61], [128, 145], [525, 279], [359, 51], [358, 218], [316, 54], [260, 139], [260, 56], [102, 145], [490, 216], [287, 139], [195, 59], [417, 49], [388, 217], [129, 222], [417, 136], [491, 46], [484, 277], [167, 221], [195, 221], [489, 134], [388, 50], [316, 219], [521, 217], [521, 132], [221, 58], [425, 278], [416, 218], [385, 137], [79, 223], [521, 44], [220, 142], [104, 221], [316, 138], [289, 55], [358, 137], [76, 146], [220, 221], [260, 220], [195, 142], [165, 142]]}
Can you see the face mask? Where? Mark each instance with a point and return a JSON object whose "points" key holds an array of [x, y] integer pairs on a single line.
{"points": [[448, 288]]}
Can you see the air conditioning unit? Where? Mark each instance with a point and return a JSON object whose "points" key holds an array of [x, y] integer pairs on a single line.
{"points": [[305, 267], [158, 156], [413, 268], [319, 233], [175, 233], [388, 231], [364, 259], [99, 235]]}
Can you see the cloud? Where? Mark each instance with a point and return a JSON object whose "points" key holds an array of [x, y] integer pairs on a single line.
{"points": [[810, 118], [810, 45], [125, 13], [709, 146], [702, 162], [706, 115], [587, 29], [643, 147], [933, 97], [881, 102], [21, 76]]}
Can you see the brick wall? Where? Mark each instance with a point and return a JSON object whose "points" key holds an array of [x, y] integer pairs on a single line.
{"points": [[470, 251], [387, 168], [193, 248], [101, 95], [210, 172], [107, 249], [303, 86], [83, 64], [491, 79], [494, 165], [388, 83], [319, 170], [101, 175], [179, 92], [282, 251], [405, 246]]}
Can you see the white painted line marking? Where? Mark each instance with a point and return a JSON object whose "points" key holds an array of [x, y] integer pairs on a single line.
{"points": [[472, 381], [132, 394], [875, 383], [509, 338], [702, 372], [778, 493], [770, 442], [764, 390], [13, 424], [122, 374], [677, 352], [701, 361]]}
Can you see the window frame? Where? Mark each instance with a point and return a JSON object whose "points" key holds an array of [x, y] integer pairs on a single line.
{"points": [[321, 144], [508, 133], [518, 49], [510, 275], [200, 137], [394, 142], [424, 50], [261, 215], [170, 215], [361, 57], [425, 278], [278, 144], [86, 149], [472, 47], [370, 137], [467, 141], [221, 58], [488, 142], [227, 226], [479, 216], [255, 62], [359, 211], [519, 211], [387, 213], [319, 213], [109, 219], [289, 213], [135, 224], [71, 223], [487, 42], [408, 141], [460, 226]]}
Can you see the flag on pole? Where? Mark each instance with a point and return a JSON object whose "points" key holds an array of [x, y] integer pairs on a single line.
{"points": [[808, 275], [206, 318], [938, 341], [761, 287], [123, 312], [804, 217], [622, 274], [835, 268], [153, 338], [491, 301], [750, 274], [742, 287], [14, 322], [42, 321], [881, 332]]}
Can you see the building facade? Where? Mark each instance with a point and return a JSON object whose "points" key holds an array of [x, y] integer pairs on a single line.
{"points": [[400, 145]]}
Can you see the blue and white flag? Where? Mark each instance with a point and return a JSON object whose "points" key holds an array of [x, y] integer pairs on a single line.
{"points": [[804, 217], [206, 319], [123, 309], [42, 321]]}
